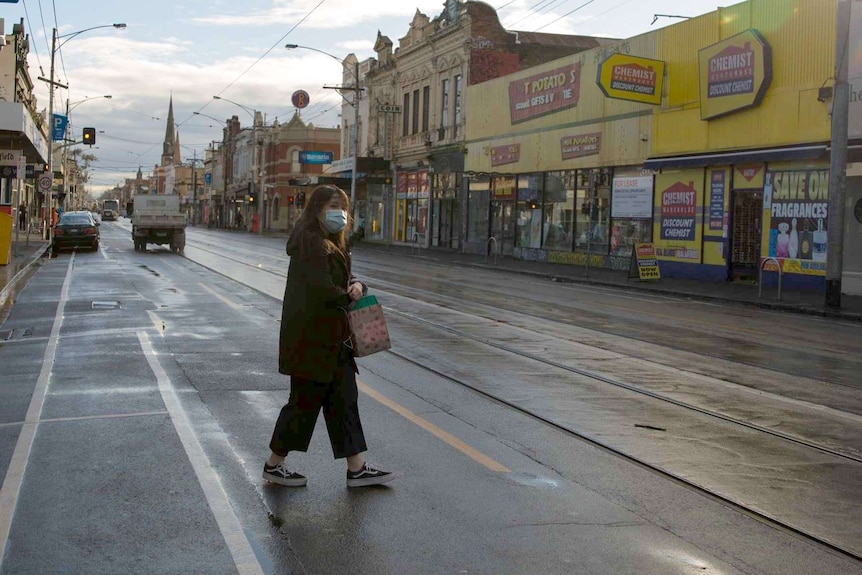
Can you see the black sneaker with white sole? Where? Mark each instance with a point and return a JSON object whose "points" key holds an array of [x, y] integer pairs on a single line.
{"points": [[280, 474], [368, 475]]}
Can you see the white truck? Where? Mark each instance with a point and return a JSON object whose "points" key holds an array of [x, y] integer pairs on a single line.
{"points": [[158, 220]]}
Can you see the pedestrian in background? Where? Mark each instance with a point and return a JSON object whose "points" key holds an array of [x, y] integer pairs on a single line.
{"points": [[314, 345], [22, 217]]}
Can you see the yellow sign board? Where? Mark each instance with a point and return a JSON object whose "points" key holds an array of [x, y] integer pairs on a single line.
{"points": [[734, 74], [632, 78], [644, 258]]}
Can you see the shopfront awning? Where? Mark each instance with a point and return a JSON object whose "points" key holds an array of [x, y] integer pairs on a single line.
{"points": [[744, 157]]}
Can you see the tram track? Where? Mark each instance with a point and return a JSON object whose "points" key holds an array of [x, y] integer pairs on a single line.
{"points": [[766, 517], [608, 448]]}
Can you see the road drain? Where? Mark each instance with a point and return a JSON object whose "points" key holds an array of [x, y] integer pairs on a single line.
{"points": [[106, 305]]}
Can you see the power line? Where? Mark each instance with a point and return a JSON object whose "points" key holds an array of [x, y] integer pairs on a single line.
{"points": [[255, 63], [587, 3], [535, 9], [35, 51]]}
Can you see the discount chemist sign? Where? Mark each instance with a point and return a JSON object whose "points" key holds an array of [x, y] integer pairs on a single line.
{"points": [[734, 74]]}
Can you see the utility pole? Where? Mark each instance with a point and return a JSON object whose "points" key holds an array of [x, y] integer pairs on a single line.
{"points": [[357, 95], [838, 157]]}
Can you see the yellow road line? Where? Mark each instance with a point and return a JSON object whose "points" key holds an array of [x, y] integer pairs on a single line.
{"points": [[221, 297], [434, 430]]}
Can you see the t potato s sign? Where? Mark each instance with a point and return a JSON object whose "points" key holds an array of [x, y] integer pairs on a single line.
{"points": [[734, 74]]}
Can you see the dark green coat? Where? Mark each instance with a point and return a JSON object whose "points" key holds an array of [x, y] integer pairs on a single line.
{"points": [[313, 318]]}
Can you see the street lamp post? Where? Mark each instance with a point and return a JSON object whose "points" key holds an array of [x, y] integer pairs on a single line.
{"points": [[357, 95], [255, 161], [51, 83], [69, 109]]}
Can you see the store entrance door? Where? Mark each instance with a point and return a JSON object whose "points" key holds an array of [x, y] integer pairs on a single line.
{"points": [[448, 223], [746, 235], [503, 226]]}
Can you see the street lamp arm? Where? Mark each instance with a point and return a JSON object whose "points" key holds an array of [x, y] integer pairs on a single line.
{"points": [[207, 116], [71, 35], [336, 58], [249, 111], [74, 105]]}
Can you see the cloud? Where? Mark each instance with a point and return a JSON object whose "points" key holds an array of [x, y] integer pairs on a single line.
{"points": [[332, 14]]}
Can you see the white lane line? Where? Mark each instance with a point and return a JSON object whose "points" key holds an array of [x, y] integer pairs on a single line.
{"points": [[18, 464], [89, 418], [237, 543]]}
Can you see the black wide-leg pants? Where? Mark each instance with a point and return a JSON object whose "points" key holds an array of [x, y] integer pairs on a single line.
{"points": [[339, 400]]}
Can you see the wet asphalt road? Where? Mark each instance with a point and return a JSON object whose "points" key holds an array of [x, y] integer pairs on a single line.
{"points": [[160, 392]]}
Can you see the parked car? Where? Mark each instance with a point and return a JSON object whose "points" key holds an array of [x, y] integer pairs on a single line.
{"points": [[97, 217], [76, 229]]}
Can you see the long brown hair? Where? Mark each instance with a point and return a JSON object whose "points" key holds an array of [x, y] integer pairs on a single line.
{"points": [[310, 220]]}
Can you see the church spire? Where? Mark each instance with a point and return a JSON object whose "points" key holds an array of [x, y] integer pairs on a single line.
{"points": [[168, 146], [177, 155]]}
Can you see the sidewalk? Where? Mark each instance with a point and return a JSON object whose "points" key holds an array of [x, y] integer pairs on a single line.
{"points": [[29, 250], [803, 302]]}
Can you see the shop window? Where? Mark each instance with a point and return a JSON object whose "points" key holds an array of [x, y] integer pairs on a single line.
{"points": [[415, 111], [477, 210], [426, 97], [559, 209], [405, 115], [593, 204], [444, 105], [457, 118], [529, 211]]}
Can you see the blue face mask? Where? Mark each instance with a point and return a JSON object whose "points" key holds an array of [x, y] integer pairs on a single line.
{"points": [[334, 221]]}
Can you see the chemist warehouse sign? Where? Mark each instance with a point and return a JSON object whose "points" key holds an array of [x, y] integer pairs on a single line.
{"points": [[734, 74]]}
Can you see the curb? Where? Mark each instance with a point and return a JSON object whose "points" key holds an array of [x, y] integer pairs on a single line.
{"points": [[22, 271]]}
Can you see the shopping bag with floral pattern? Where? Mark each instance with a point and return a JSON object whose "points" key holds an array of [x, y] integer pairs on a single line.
{"points": [[368, 331]]}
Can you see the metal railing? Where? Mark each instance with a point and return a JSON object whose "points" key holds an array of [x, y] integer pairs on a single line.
{"points": [[488, 249], [760, 276]]}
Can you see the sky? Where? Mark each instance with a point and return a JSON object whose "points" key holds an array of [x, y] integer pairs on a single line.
{"points": [[195, 49]]}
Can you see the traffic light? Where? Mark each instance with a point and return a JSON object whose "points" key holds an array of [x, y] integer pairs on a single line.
{"points": [[300, 199], [252, 198], [290, 199], [89, 136]]}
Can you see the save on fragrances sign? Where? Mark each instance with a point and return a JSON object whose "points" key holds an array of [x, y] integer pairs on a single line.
{"points": [[734, 74], [631, 78], [855, 70]]}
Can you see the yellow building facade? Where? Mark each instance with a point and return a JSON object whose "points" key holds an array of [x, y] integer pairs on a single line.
{"points": [[707, 138]]}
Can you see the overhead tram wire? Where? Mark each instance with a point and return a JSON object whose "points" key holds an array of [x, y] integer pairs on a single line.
{"points": [[28, 24], [59, 48], [587, 3], [256, 62], [535, 11]]}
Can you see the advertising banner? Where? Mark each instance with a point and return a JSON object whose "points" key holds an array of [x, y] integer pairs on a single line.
{"points": [[855, 70], [678, 223], [310, 157], [502, 155], [573, 147], [797, 203], [631, 198], [632, 78], [545, 94], [716, 199], [679, 212], [748, 177], [734, 74]]}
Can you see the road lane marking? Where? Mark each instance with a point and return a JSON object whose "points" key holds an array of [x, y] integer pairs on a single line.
{"points": [[234, 536], [221, 297], [448, 438], [18, 464], [87, 418]]}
